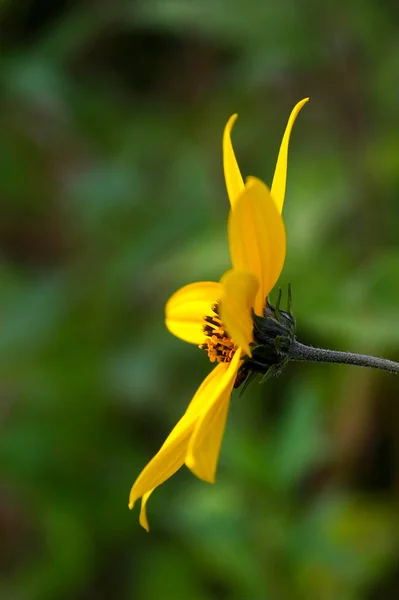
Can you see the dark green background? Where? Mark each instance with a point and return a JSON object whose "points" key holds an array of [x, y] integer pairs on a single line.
{"points": [[112, 196]]}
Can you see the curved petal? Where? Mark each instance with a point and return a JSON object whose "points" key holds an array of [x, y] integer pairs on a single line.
{"points": [[236, 306], [205, 442], [232, 175], [257, 238], [163, 465], [206, 390], [280, 172], [143, 511], [171, 456], [186, 309]]}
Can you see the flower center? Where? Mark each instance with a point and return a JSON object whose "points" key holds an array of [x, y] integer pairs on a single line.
{"points": [[218, 343]]}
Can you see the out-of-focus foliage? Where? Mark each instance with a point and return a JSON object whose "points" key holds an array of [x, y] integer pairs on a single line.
{"points": [[112, 196]]}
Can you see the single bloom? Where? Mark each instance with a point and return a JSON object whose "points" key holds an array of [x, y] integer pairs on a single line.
{"points": [[220, 318]]}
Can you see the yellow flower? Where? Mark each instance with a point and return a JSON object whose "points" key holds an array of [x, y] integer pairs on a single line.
{"points": [[217, 316]]}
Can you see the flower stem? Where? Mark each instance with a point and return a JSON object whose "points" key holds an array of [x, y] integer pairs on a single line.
{"points": [[301, 352]]}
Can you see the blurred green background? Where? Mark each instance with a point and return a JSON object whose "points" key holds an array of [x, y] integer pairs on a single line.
{"points": [[112, 196]]}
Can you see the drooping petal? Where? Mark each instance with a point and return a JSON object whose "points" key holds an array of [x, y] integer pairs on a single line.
{"points": [[239, 292], [232, 175], [205, 442], [165, 463], [280, 172], [206, 390], [143, 511], [257, 238], [186, 309], [172, 454]]}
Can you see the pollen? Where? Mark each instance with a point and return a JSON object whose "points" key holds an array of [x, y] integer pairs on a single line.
{"points": [[218, 344]]}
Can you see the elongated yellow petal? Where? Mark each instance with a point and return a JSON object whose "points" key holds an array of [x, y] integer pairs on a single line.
{"points": [[239, 292], [172, 454], [165, 463], [186, 309], [205, 442], [280, 172], [232, 175], [202, 459], [143, 511], [206, 390], [257, 238]]}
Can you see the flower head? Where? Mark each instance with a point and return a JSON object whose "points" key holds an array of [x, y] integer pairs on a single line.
{"points": [[224, 317]]}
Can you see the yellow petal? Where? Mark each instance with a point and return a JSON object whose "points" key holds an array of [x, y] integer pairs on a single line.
{"points": [[143, 511], [232, 175], [257, 238], [165, 463], [280, 172], [186, 309], [205, 391], [173, 451], [239, 292], [205, 442]]}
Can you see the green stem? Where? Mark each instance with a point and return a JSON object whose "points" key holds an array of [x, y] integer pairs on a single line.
{"points": [[301, 352]]}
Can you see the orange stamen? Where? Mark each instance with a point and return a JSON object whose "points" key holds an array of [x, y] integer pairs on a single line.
{"points": [[218, 344]]}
